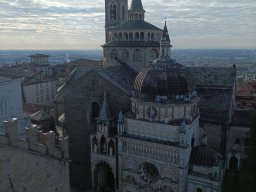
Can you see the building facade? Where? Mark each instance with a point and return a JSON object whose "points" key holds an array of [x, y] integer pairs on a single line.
{"points": [[143, 126], [129, 38], [10, 100], [40, 92]]}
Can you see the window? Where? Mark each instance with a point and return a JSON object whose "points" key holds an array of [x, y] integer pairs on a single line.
{"points": [[199, 190], [125, 55], [137, 55], [42, 99]]}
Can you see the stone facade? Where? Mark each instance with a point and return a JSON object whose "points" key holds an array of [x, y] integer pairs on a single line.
{"points": [[28, 164], [129, 39], [91, 87], [142, 144]]}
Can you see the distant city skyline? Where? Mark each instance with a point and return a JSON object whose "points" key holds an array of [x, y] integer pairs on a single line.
{"points": [[79, 24]]}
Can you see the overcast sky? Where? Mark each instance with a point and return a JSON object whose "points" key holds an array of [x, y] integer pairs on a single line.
{"points": [[79, 24]]}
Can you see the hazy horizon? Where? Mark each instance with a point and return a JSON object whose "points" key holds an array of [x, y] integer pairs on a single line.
{"points": [[79, 24]]}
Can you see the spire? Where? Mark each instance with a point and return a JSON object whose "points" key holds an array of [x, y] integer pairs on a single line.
{"points": [[136, 11], [165, 36], [136, 5], [104, 112], [165, 43]]}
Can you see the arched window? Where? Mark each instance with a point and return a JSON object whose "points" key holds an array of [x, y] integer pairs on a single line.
{"points": [[233, 163], [95, 110], [113, 53], [130, 37], [193, 140], [125, 55], [94, 145], [126, 37], [112, 12], [153, 54], [152, 37], [140, 18], [137, 36], [120, 37], [115, 37], [103, 145], [111, 148], [123, 12], [137, 55], [142, 36]]}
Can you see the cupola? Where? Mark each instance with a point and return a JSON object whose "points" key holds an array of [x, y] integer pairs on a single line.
{"points": [[164, 80]]}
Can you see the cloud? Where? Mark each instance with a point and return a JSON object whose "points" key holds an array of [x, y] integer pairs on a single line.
{"points": [[82, 22]]}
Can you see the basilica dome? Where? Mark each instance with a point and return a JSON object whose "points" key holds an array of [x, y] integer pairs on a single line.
{"points": [[164, 81]]}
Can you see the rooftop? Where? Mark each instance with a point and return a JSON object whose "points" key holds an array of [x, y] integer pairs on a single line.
{"points": [[136, 25]]}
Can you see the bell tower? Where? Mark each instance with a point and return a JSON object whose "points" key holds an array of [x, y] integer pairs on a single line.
{"points": [[116, 13]]}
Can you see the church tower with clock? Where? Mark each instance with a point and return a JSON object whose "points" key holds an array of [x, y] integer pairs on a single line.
{"points": [[156, 137]]}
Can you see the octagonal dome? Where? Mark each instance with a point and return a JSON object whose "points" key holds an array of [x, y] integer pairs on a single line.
{"points": [[164, 81]]}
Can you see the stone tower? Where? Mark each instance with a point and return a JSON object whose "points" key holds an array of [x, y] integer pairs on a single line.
{"points": [[116, 13], [136, 11]]}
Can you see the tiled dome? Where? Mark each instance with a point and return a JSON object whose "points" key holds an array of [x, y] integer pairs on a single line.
{"points": [[164, 80], [203, 156]]}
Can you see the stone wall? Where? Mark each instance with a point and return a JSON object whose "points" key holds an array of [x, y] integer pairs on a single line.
{"points": [[28, 166], [88, 89]]}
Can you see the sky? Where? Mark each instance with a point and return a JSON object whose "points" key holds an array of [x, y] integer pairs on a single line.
{"points": [[79, 24]]}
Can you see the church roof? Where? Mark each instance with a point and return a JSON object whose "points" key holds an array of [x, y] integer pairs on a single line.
{"points": [[214, 87], [40, 116], [216, 76], [120, 75], [136, 5], [132, 44], [215, 104], [164, 77], [136, 25], [203, 156]]}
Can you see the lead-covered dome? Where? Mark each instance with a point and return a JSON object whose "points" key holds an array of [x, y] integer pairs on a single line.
{"points": [[164, 81]]}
